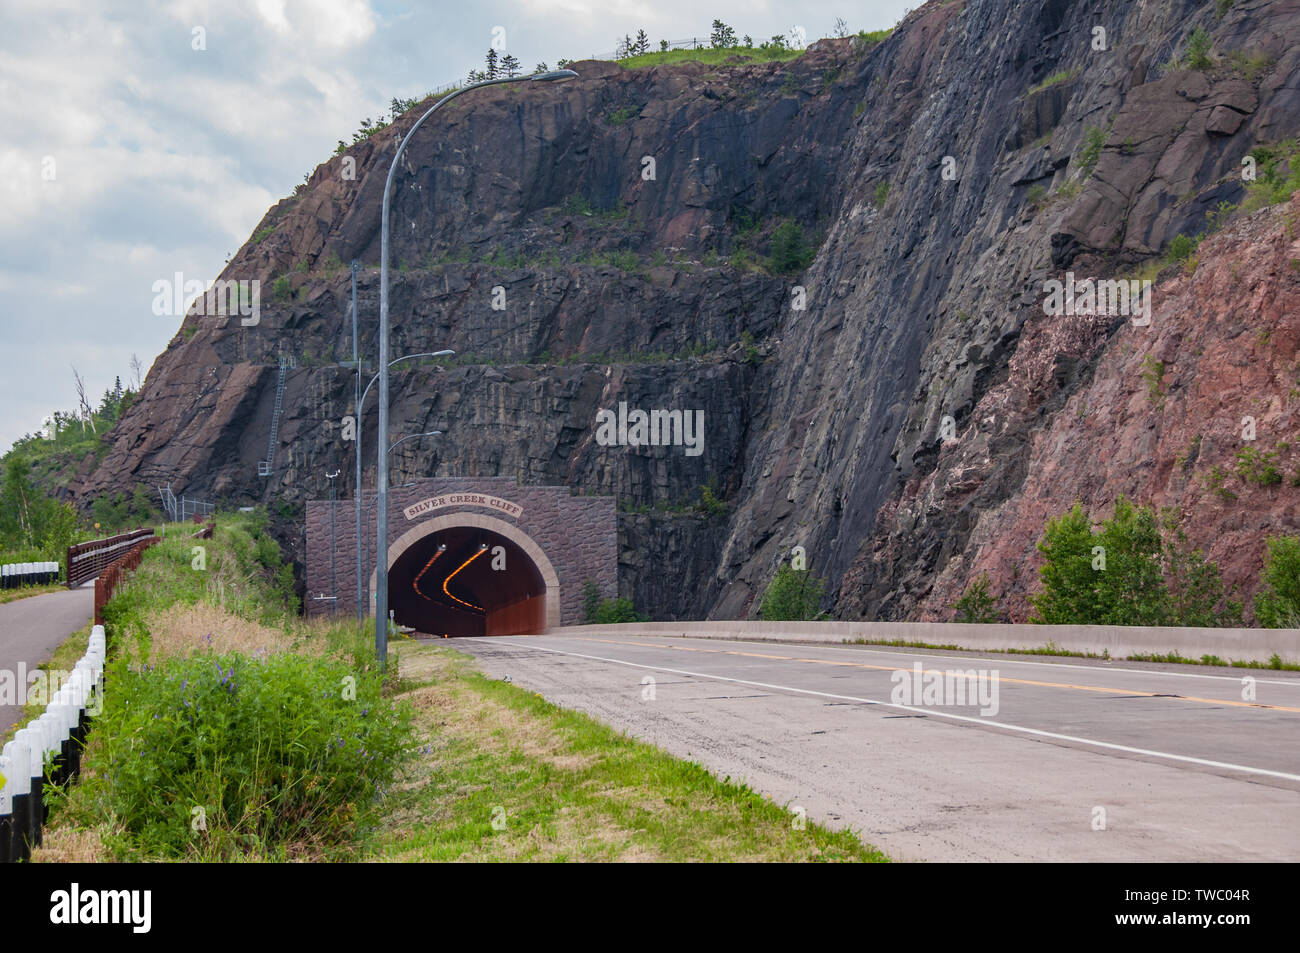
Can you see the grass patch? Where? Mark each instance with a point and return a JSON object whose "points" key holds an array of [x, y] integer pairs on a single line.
{"points": [[1051, 648], [714, 57], [1056, 79], [1153, 373], [24, 592], [506, 775], [1257, 467], [1277, 175], [621, 117], [1274, 662], [1251, 66]]}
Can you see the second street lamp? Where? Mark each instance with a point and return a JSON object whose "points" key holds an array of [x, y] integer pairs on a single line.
{"points": [[360, 403], [381, 518]]}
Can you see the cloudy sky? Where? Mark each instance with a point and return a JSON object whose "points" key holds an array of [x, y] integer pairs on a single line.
{"points": [[130, 154]]}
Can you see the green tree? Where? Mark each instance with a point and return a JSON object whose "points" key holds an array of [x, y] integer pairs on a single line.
{"points": [[1137, 570], [791, 252], [1196, 593], [723, 37], [590, 601], [16, 498], [60, 530], [613, 611], [977, 603], [1277, 605], [792, 596], [1198, 49], [1069, 581]]}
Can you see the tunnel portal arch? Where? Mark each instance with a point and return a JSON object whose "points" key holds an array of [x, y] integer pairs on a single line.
{"points": [[508, 600], [560, 545]]}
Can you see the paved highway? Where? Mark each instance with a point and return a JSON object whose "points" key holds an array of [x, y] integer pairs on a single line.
{"points": [[1072, 760], [32, 628]]}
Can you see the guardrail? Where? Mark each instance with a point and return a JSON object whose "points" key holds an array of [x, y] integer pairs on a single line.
{"points": [[87, 560], [108, 580], [48, 750], [1115, 641], [13, 575]]}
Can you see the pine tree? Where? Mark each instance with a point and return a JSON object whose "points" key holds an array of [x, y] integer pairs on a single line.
{"points": [[492, 68], [642, 44], [509, 66]]}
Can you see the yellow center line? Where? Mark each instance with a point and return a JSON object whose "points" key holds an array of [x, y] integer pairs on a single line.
{"points": [[1101, 689]]}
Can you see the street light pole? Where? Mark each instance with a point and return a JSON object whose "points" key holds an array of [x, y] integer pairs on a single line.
{"points": [[381, 455], [356, 425]]}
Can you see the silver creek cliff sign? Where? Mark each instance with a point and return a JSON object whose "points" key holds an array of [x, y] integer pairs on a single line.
{"points": [[463, 499]]}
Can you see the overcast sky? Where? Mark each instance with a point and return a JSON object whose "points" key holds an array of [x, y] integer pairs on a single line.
{"points": [[128, 155]]}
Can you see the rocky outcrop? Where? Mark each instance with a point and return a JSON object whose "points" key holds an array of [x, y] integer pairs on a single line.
{"points": [[1172, 414], [603, 241]]}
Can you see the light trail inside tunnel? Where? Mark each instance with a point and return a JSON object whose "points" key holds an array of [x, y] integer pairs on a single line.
{"points": [[481, 550], [416, 584]]}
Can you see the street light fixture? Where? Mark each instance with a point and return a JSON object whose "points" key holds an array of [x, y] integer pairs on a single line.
{"points": [[414, 436], [381, 528]]}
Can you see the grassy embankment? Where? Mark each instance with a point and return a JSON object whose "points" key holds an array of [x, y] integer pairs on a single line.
{"points": [[230, 732], [26, 592]]}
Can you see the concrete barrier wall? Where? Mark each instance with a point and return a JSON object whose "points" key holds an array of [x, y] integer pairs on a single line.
{"points": [[1120, 641]]}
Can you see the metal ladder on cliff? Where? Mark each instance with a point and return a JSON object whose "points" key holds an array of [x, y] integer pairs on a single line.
{"points": [[170, 507], [264, 466]]}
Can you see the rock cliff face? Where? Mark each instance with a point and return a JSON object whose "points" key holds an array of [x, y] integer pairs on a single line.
{"points": [[602, 241]]}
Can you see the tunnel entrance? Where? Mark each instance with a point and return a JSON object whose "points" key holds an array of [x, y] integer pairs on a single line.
{"points": [[467, 581], [554, 543]]}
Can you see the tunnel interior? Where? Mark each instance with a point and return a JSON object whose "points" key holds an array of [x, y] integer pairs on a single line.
{"points": [[467, 581]]}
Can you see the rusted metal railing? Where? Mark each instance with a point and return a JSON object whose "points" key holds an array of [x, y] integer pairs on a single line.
{"points": [[87, 560], [108, 580]]}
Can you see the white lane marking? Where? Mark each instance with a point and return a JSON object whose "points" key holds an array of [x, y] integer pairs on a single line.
{"points": [[871, 649], [1037, 732]]}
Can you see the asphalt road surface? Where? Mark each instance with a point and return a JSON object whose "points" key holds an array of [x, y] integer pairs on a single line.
{"points": [[32, 628], [1081, 760]]}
